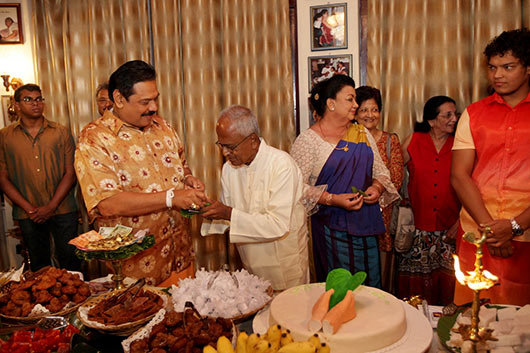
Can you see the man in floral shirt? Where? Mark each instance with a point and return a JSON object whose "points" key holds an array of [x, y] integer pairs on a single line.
{"points": [[132, 170]]}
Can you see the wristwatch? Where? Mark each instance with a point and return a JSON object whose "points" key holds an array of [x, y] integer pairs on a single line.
{"points": [[516, 228]]}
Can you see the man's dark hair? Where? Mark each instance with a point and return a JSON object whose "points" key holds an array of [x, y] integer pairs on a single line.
{"points": [[516, 41], [28, 87], [127, 75], [104, 85]]}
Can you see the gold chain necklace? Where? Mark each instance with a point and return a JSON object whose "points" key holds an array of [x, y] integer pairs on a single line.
{"points": [[345, 148]]}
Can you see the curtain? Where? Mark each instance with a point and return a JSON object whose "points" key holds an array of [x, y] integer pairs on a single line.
{"points": [[208, 54], [213, 54], [421, 48], [78, 44]]}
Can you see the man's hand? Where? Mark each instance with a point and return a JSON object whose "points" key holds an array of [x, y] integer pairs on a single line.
{"points": [[189, 199], [500, 234], [41, 214], [499, 238], [194, 183], [373, 195], [217, 210], [349, 202]]}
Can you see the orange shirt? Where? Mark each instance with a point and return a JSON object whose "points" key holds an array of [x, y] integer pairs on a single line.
{"points": [[113, 156], [499, 134]]}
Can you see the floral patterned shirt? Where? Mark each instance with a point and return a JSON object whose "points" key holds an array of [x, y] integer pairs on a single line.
{"points": [[113, 156]]}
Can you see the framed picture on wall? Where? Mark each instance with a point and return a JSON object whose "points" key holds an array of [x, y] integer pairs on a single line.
{"points": [[10, 24], [329, 27], [324, 67]]}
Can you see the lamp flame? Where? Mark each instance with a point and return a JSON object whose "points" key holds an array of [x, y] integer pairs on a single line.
{"points": [[475, 280]]}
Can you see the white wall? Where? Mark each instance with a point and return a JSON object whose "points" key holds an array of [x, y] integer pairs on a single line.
{"points": [[305, 23], [16, 60]]}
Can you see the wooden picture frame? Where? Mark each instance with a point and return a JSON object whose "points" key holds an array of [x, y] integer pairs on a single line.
{"points": [[329, 27], [11, 31], [324, 67]]}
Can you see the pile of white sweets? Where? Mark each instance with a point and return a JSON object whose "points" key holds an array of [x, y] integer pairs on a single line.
{"points": [[511, 328], [224, 298]]}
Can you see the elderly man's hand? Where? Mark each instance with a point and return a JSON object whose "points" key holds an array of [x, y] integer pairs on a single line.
{"points": [[217, 210]]}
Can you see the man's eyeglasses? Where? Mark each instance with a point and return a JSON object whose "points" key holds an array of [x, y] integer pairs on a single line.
{"points": [[231, 148], [31, 100]]}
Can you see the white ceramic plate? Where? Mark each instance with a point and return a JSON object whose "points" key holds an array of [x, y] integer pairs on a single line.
{"points": [[417, 337]]}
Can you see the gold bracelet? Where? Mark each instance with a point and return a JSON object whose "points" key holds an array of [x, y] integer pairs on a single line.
{"points": [[328, 199]]}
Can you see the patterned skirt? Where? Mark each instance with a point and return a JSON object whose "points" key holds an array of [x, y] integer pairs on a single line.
{"points": [[427, 268]]}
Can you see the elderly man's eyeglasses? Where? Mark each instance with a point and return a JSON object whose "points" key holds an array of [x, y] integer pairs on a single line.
{"points": [[231, 147], [30, 100]]}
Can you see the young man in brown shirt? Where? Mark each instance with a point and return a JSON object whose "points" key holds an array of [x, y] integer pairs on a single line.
{"points": [[37, 174]]}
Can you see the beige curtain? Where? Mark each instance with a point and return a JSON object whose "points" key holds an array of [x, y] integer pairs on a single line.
{"points": [[208, 54], [78, 44], [421, 48], [213, 54]]}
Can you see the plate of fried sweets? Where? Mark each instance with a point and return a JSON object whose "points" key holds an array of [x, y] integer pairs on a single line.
{"points": [[48, 291], [124, 316]]}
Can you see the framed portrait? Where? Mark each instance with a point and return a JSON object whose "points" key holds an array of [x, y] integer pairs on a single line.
{"points": [[324, 67], [10, 24], [329, 27]]}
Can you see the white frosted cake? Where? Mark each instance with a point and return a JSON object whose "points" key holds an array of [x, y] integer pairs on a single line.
{"points": [[380, 319]]}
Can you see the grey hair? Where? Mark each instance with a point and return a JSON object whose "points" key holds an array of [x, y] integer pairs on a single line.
{"points": [[242, 120]]}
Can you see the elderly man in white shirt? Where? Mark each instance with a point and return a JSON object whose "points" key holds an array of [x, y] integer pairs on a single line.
{"points": [[260, 202]]}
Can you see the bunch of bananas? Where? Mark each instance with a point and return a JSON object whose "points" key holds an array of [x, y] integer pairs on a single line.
{"points": [[276, 340]]}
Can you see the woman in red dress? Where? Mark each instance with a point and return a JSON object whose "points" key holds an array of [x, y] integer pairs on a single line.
{"points": [[427, 268]]}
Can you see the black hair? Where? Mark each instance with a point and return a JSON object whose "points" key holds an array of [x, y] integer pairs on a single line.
{"points": [[516, 41], [28, 87], [431, 109], [365, 93], [328, 89], [127, 75]]}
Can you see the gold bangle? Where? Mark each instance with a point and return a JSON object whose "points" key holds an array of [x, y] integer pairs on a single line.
{"points": [[328, 199]]}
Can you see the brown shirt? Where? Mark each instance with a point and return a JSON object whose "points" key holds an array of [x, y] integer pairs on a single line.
{"points": [[36, 165], [113, 156]]}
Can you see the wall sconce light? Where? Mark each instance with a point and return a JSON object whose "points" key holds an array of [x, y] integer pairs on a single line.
{"points": [[6, 81], [14, 83]]}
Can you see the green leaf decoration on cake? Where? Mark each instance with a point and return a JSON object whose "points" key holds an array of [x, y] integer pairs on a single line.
{"points": [[341, 280]]}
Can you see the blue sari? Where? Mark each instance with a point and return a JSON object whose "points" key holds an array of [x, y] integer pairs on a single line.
{"points": [[342, 238]]}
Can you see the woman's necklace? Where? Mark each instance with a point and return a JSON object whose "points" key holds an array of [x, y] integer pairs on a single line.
{"points": [[438, 141], [345, 148]]}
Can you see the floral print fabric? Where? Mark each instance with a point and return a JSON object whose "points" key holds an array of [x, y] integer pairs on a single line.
{"points": [[114, 157]]}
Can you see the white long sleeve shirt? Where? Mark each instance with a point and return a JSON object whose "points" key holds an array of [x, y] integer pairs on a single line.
{"points": [[268, 222]]}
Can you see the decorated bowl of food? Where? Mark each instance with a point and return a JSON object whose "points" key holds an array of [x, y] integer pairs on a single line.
{"points": [[48, 291], [231, 295], [173, 331], [119, 315]]}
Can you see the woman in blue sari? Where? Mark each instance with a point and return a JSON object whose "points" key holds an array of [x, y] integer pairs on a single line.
{"points": [[335, 154]]}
